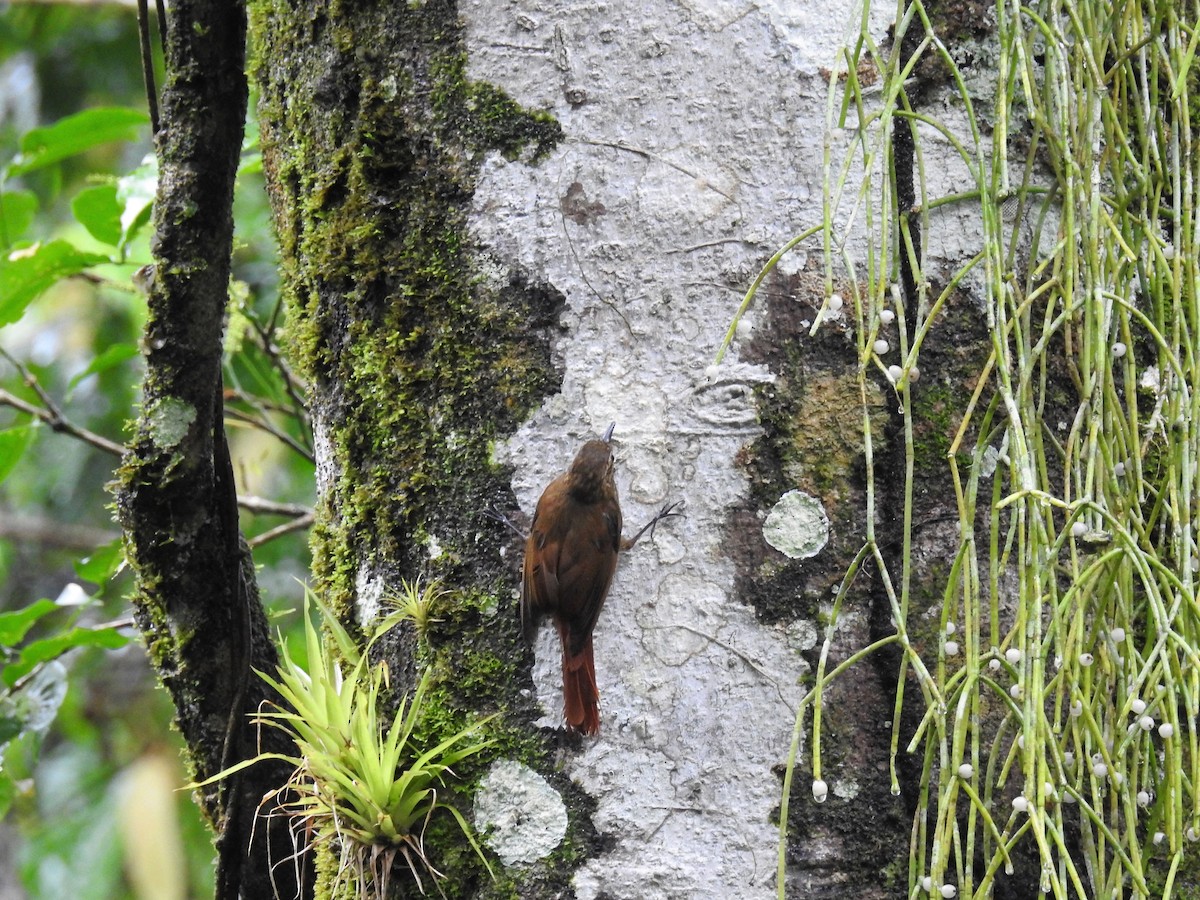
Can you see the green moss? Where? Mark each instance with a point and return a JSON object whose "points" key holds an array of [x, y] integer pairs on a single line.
{"points": [[937, 413], [1186, 883], [824, 433], [325, 865]]}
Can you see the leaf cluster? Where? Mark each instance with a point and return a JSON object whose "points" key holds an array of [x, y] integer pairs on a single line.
{"points": [[365, 783], [33, 679]]}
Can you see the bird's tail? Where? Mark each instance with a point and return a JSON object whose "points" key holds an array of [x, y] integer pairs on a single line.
{"points": [[581, 699]]}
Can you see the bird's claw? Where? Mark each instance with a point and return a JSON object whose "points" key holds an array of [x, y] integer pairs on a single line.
{"points": [[495, 515]]}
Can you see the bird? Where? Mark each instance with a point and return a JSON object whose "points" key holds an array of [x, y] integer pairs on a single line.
{"points": [[570, 558]]}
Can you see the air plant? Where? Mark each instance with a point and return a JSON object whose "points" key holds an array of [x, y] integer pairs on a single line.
{"points": [[359, 781]]}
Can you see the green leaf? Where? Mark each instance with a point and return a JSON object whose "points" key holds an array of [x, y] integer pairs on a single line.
{"points": [[102, 563], [15, 624], [27, 272], [17, 209], [251, 164], [98, 210], [13, 444], [135, 193], [114, 213], [52, 647], [42, 147], [8, 792], [110, 358], [10, 727]]}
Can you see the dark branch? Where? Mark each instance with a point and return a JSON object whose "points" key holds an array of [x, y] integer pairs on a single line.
{"points": [[197, 601]]}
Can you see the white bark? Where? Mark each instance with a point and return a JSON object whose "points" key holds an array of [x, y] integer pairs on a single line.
{"points": [[694, 135]]}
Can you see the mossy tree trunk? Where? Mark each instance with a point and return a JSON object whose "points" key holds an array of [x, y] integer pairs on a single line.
{"points": [[197, 601]]}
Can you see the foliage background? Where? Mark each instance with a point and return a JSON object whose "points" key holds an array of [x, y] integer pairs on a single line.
{"points": [[109, 765]]}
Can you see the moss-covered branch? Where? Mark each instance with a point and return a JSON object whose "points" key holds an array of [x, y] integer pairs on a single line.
{"points": [[196, 600]]}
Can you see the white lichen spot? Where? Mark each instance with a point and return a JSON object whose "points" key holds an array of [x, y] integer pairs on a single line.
{"points": [[521, 817], [369, 587], [802, 635], [434, 547], [797, 525], [846, 788], [169, 420]]}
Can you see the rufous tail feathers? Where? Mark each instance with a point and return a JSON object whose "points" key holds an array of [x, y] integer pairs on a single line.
{"points": [[581, 699]]}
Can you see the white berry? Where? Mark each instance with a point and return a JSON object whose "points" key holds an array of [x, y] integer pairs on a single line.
{"points": [[820, 790]]}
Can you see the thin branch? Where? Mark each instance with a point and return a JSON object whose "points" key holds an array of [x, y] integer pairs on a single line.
{"points": [[53, 417], [262, 507], [263, 422], [143, 18], [295, 386], [53, 533], [297, 524]]}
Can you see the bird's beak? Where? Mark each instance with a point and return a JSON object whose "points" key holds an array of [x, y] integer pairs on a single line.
{"points": [[608, 432]]}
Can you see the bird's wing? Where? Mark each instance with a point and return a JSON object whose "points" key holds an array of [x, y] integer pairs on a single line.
{"points": [[585, 562]]}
